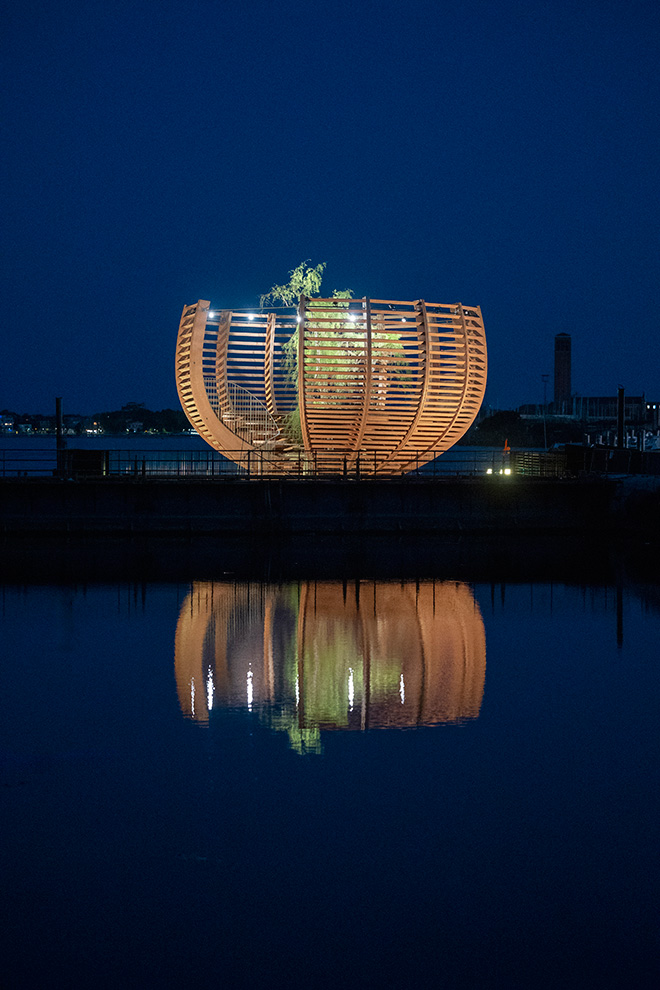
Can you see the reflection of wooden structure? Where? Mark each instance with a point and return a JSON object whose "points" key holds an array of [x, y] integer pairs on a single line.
{"points": [[361, 655], [393, 383], [419, 650]]}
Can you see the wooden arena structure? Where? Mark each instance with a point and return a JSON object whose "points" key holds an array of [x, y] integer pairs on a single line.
{"points": [[332, 384]]}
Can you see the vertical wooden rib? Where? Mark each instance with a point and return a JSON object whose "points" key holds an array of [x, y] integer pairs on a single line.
{"points": [[460, 407], [449, 409], [302, 403], [222, 385], [424, 355], [366, 388], [269, 363]]}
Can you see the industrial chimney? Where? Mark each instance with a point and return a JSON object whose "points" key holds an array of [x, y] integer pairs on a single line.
{"points": [[562, 373]]}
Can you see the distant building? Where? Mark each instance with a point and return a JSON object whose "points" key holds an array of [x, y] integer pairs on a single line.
{"points": [[603, 408], [598, 409], [562, 395]]}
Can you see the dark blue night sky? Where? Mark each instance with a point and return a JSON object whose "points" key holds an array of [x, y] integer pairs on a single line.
{"points": [[498, 153]]}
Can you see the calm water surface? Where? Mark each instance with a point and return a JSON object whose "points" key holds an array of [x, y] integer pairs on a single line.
{"points": [[330, 783]]}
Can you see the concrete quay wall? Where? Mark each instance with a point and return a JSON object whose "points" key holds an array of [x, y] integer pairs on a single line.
{"points": [[279, 507]]}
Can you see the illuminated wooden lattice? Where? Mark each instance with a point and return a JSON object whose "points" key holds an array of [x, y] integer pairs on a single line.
{"points": [[394, 383]]}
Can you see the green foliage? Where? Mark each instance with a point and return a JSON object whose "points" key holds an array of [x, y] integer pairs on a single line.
{"points": [[304, 281], [347, 350], [293, 426], [291, 347]]}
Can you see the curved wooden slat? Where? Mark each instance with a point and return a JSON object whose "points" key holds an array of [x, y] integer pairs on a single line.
{"points": [[191, 385], [357, 440], [302, 403], [269, 362], [410, 395]]}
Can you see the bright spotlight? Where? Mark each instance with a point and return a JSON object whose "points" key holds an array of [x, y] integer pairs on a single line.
{"points": [[250, 317], [507, 470], [211, 316], [489, 470]]}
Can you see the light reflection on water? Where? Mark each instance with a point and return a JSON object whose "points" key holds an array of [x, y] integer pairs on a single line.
{"points": [[323, 655], [160, 826]]}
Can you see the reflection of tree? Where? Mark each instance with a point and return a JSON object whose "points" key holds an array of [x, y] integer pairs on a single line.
{"points": [[327, 655]]}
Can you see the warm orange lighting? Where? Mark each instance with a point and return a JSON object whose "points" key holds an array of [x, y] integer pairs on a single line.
{"points": [[393, 383], [323, 656]]}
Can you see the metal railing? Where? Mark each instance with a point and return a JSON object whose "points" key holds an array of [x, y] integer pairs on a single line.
{"points": [[79, 463]]}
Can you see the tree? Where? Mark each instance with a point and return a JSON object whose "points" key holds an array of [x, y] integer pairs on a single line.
{"points": [[305, 280], [345, 336]]}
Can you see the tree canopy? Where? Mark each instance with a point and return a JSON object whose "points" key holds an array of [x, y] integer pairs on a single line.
{"points": [[304, 280]]}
